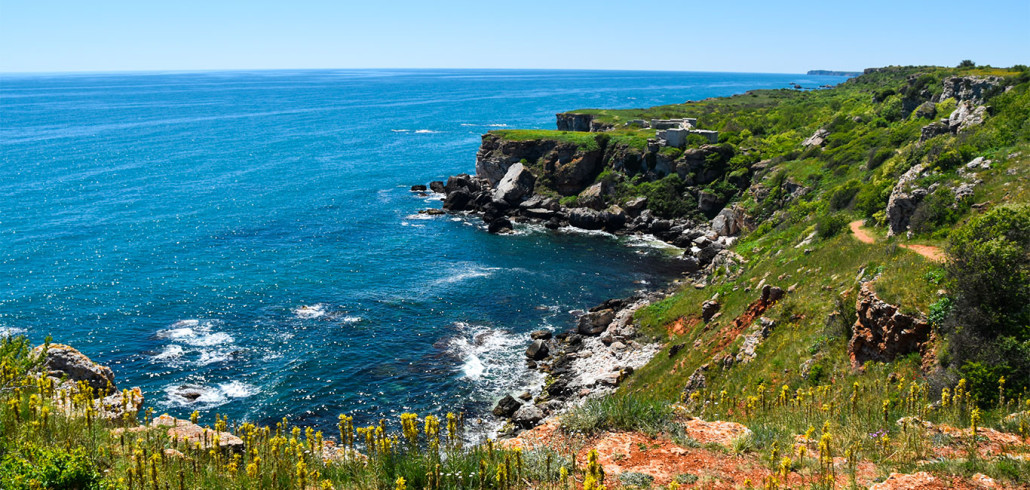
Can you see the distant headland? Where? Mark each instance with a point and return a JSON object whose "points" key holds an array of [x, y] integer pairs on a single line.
{"points": [[835, 73]]}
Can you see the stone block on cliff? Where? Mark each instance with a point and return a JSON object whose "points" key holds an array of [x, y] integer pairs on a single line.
{"points": [[517, 184], [936, 128], [614, 218], [64, 361], [709, 203], [595, 322], [882, 333], [635, 206]]}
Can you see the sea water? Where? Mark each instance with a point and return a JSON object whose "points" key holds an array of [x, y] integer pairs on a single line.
{"points": [[246, 243]]}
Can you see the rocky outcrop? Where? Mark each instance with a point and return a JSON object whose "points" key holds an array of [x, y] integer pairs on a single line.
{"points": [[966, 116], [185, 431], [759, 331], [974, 89], [817, 139], [568, 167], [67, 363], [903, 201], [883, 333]]}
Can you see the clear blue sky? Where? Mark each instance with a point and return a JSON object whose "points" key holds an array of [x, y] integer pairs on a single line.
{"points": [[755, 36]]}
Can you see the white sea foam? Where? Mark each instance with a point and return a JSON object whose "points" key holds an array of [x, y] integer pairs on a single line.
{"points": [[400, 130], [194, 341], [351, 319], [10, 331], [465, 272], [487, 354], [206, 396], [307, 312], [648, 241], [169, 353], [425, 131]]}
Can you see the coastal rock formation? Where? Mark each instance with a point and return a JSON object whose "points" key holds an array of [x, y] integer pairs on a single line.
{"points": [[881, 332], [903, 200], [568, 166], [506, 406], [595, 322], [64, 361], [969, 88]]}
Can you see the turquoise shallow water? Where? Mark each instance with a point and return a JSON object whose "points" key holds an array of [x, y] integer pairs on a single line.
{"points": [[251, 234]]}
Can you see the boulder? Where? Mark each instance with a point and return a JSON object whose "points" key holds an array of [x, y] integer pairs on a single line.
{"points": [[926, 110], [771, 294], [635, 206], [418, 188], [966, 116], [934, 129], [725, 223], [817, 139], [516, 185], [540, 335], [527, 416], [464, 182], [709, 309], [192, 434], [458, 200], [709, 203], [882, 333], [586, 218], [595, 322], [499, 225], [506, 406], [437, 186], [537, 350], [614, 218], [594, 197], [64, 361]]}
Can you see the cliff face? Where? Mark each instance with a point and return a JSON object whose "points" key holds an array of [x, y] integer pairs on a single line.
{"points": [[567, 168]]}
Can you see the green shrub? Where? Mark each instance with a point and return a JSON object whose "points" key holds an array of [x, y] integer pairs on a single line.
{"points": [[618, 412], [634, 479], [989, 274], [36, 467], [841, 196], [830, 225], [937, 210]]}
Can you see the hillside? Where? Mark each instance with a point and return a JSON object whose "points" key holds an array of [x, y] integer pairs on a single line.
{"points": [[853, 313]]}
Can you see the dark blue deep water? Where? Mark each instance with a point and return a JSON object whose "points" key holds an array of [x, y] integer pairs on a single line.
{"points": [[252, 235]]}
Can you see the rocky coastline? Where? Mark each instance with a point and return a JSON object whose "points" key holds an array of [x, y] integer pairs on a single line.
{"points": [[605, 347]]}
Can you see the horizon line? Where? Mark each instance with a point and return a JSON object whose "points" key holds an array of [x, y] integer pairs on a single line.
{"points": [[231, 70]]}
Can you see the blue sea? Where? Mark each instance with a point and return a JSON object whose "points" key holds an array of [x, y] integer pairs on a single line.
{"points": [[251, 236]]}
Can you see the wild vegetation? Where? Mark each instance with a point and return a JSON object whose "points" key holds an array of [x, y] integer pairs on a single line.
{"points": [[957, 407]]}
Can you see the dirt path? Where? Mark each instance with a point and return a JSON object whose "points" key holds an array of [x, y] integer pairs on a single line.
{"points": [[860, 234], [929, 251]]}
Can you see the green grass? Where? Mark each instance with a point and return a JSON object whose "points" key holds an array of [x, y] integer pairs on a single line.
{"points": [[588, 141]]}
